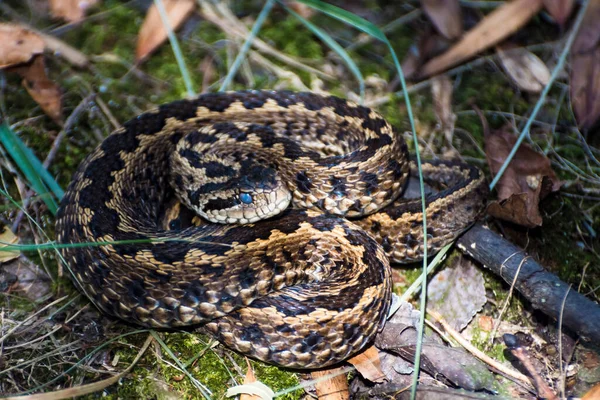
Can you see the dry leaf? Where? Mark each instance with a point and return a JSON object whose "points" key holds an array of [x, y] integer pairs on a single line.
{"points": [[19, 45], [528, 179], [457, 293], [525, 69], [368, 365], [593, 393], [249, 378], [559, 9], [332, 388], [585, 69], [485, 323], [70, 10], [153, 33], [7, 237], [445, 15], [44, 91], [303, 10], [496, 26], [428, 45], [24, 279], [589, 32], [441, 90]]}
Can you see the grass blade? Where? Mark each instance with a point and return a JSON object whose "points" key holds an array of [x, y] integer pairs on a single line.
{"points": [[39, 178]]}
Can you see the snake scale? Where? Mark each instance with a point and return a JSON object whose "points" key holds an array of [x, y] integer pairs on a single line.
{"points": [[306, 288]]}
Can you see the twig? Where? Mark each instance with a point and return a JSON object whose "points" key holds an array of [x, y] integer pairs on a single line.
{"points": [[475, 351]]}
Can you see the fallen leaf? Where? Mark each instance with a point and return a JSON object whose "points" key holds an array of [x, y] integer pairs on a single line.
{"points": [[70, 10], [368, 365], [24, 279], [19, 45], [585, 69], [303, 10], [528, 179], [496, 26], [441, 90], [428, 45], [589, 32], [525, 69], [457, 293], [249, 378], [44, 91], [559, 9], [331, 388], [7, 237], [485, 323], [153, 33], [445, 15], [593, 393]]}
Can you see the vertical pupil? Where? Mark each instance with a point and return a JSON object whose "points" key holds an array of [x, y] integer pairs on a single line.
{"points": [[246, 198]]}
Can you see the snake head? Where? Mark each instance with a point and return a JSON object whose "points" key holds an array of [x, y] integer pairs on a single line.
{"points": [[257, 192]]}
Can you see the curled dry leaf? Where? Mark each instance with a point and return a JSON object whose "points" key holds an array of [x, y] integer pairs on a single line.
{"points": [[445, 15], [70, 10], [153, 33], [585, 69], [44, 91], [559, 9], [525, 69], [19, 45], [528, 179], [496, 26]]}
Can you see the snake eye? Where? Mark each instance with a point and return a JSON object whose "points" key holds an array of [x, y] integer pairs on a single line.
{"points": [[246, 198]]}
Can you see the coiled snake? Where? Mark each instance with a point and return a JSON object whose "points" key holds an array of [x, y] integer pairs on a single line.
{"points": [[306, 288]]}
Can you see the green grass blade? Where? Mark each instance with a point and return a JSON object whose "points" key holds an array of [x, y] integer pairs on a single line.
{"points": [[333, 45], [39, 179], [347, 17]]}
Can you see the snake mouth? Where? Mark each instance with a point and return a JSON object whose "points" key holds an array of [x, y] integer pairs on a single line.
{"points": [[259, 206]]}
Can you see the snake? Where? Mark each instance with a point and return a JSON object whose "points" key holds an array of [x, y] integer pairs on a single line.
{"points": [[300, 198]]}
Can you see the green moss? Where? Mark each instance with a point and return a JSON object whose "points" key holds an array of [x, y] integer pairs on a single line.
{"points": [[290, 36]]}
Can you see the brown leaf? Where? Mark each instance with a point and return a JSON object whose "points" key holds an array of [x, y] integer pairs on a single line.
{"points": [[441, 90], [525, 69], [368, 365], [71, 10], [333, 388], [559, 9], [153, 33], [19, 45], [445, 15], [428, 45], [496, 26], [593, 393], [589, 31], [44, 91], [528, 179], [305, 11], [585, 69]]}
